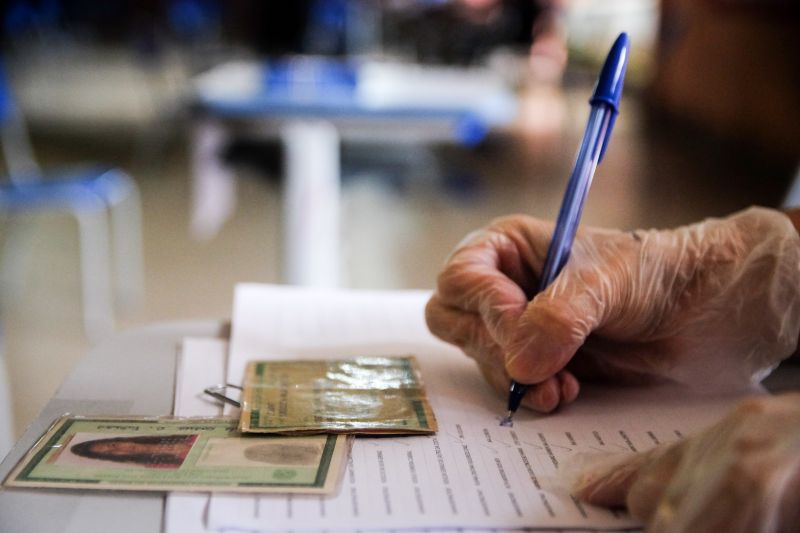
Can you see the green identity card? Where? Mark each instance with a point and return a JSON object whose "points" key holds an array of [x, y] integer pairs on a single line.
{"points": [[185, 454]]}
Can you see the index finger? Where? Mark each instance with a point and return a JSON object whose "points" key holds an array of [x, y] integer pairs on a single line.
{"points": [[474, 281], [489, 275]]}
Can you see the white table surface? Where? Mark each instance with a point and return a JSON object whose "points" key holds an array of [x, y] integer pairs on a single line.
{"points": [[132, 373]]}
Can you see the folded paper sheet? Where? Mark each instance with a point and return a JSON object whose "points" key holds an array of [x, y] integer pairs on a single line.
{"points": [[199, 362]]}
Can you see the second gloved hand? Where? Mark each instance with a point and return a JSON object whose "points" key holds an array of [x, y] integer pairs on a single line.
{"points": [[740, 475], [714, 305]]}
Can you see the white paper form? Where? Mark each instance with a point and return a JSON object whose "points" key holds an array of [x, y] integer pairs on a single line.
{"points": [[473, 473], [201, 363]]}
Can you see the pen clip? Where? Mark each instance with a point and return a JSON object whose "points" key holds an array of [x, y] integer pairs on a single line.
{"points": [[217, 392], [611, 120], [608, 90]]}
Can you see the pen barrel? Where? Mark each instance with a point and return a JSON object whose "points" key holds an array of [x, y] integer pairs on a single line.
{"points": [[605, 104], [575, 196]]}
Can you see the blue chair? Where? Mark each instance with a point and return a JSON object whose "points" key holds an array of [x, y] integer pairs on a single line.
{"points": [[93, 195]]}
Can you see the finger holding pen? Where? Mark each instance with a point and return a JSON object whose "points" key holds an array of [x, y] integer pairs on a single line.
{"points": [[483, 293], [714, 305]]}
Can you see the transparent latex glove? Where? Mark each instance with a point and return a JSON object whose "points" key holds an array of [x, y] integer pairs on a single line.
{"points": [[714, 305], [740, 475]]}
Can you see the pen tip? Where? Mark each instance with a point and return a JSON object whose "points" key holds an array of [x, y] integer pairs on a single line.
{"points": [[507, 421]]}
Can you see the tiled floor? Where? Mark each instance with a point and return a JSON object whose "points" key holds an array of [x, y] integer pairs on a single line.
{"points": [[397, 232]]}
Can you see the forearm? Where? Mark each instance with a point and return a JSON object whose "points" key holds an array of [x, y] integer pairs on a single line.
{"points": [[794, 216]]}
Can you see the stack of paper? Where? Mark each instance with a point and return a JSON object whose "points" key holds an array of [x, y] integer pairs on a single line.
{"points": [[472, 474]]}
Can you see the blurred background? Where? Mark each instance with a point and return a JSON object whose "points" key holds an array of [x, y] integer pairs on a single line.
{"points": [[423, 119]]}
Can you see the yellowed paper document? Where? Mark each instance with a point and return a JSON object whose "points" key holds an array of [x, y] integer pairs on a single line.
{"points": [[367, 395]]}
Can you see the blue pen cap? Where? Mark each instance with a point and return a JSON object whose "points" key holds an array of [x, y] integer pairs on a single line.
{"points": [[608, 89], [609, 84]]}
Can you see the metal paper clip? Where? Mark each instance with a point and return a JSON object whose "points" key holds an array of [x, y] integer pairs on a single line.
{"points": [[218, 393]]}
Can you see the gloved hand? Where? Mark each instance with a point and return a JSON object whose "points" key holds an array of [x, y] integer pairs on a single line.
{"points": [[715, 305], [740, 475]]}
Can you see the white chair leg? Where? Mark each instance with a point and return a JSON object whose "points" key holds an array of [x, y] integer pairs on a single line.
{"points": [[311, 203], [126, 239], [213, 182], [98, 310], [15, 258], [6, 413]]}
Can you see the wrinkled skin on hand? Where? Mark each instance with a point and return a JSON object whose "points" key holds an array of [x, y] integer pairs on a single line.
{"points": [[714, 305], [740, 475]]}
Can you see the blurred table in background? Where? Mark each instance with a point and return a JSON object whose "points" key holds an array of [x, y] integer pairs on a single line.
{"points": [[311, 105]]}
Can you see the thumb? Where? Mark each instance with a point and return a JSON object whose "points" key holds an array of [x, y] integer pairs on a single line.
{"points": [[553, 326], [638, 481], [608, 481]]}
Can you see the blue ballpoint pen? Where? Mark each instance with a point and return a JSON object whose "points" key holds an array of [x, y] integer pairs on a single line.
{"points": [[605, 106]]}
